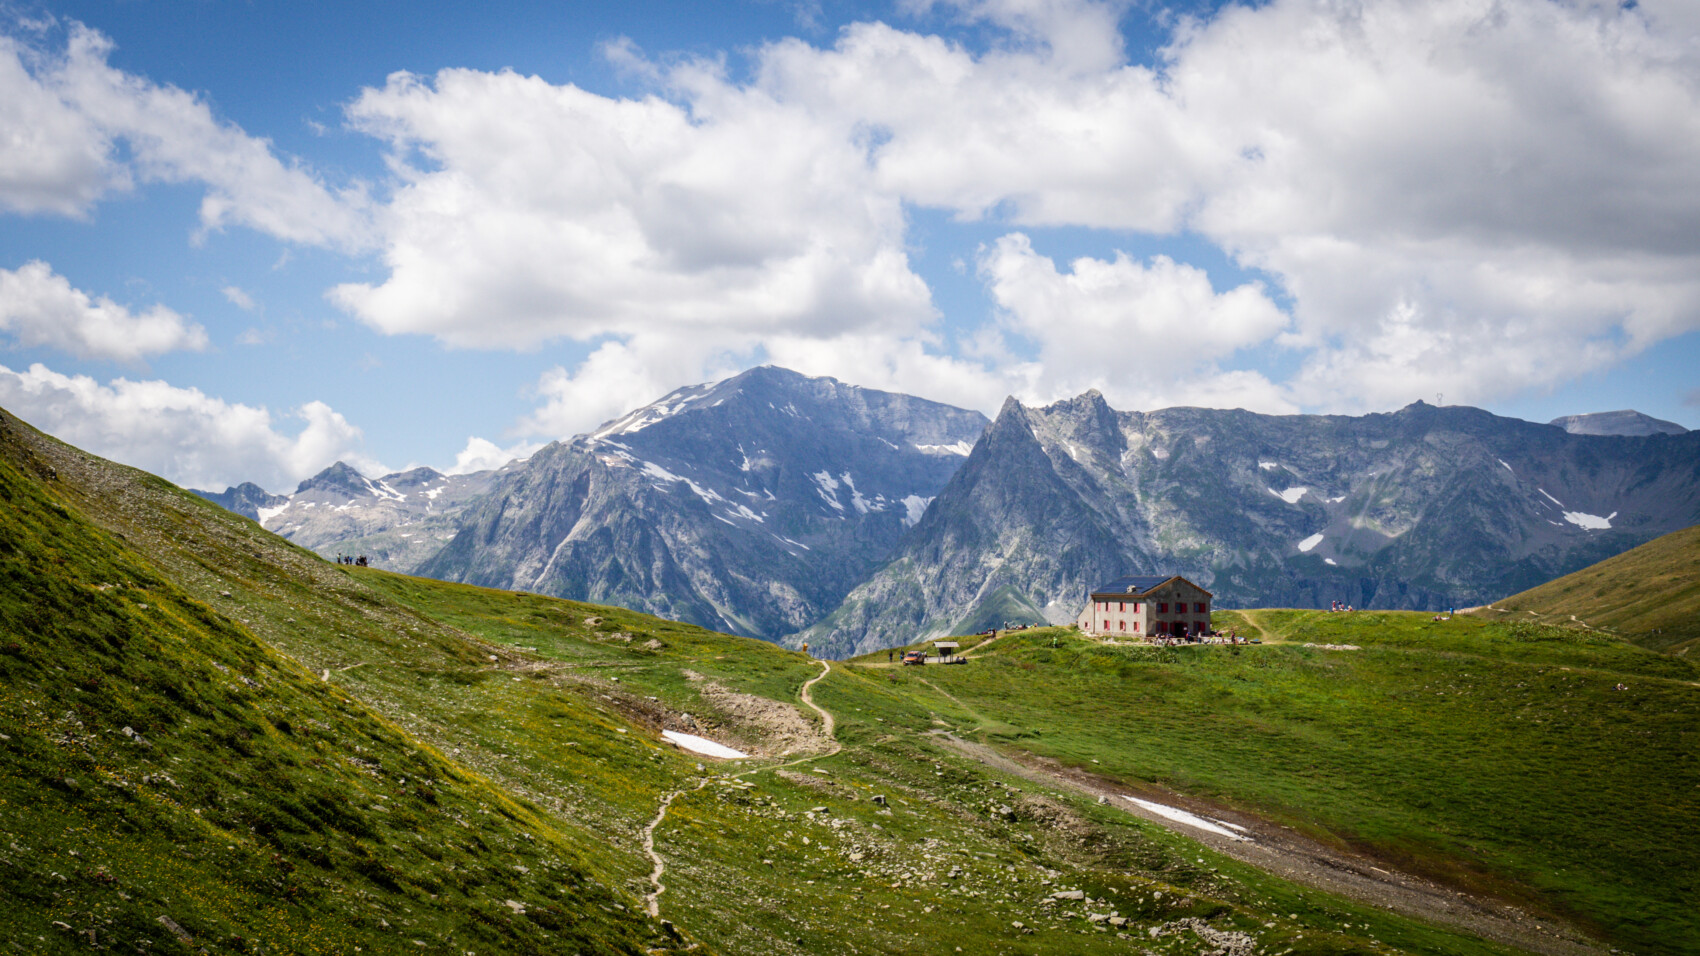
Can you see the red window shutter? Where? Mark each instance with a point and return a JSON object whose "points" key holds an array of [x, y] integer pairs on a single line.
{"points": [[1124, 625]]}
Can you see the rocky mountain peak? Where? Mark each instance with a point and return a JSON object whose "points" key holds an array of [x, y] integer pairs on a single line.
{"points": [[339, 477], [1625, 421]]}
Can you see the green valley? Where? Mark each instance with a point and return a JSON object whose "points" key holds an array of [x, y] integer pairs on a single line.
{"points": [[215, 740]]}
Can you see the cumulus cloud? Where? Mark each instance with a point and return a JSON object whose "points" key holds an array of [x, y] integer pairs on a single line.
{"points": [[183, 434], [1466, 196], [529, 212], [53, 159], [1146, 334], [79, 129], [482, 454], [40, 307]]}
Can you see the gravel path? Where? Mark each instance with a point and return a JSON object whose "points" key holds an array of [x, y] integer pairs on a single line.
{"points": [[1285, 853]]}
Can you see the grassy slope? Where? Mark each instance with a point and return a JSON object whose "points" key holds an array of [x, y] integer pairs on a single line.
{"points": [[753, 870], [157, 760], [1498, 757], [1649, 595], [506, 703]]}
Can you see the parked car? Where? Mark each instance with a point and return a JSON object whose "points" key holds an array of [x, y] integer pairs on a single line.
{"points": [[915, 657]]}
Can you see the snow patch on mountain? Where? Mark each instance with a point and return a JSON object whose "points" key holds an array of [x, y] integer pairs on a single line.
{"points": [[1550, 497], [1310, 542], [267, 514], [827, 487], [1291, 495], [1588, 521], [954, 448], [915, 506]]}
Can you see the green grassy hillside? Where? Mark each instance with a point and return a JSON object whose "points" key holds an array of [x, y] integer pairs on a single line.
{"points": [[168, 783], [1532, 763], [1649, 595], [378, 759]]}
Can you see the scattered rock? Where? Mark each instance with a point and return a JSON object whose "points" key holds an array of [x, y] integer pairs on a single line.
{"points": [[177, 931], [1069, 895]]}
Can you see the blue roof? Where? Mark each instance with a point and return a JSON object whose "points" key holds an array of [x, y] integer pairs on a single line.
{"points": [[1133, 585]]}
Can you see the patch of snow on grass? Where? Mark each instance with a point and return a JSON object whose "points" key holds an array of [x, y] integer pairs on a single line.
{"points": [[1181, 816], [1291, 495], [1591, 522], [1311, 542], [701, 745]]}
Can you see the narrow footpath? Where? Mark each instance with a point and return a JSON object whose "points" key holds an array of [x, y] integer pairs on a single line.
{"points": [[652, 902]]}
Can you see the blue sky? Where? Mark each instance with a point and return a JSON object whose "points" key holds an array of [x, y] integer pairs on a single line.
{"points": [[241, 241]]}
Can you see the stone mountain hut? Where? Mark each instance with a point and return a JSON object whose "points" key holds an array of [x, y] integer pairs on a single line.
{"points": [[1146, 607]]}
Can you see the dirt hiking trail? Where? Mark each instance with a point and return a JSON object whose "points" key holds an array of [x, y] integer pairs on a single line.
{"points": [[1278, 850], [652, 901]]}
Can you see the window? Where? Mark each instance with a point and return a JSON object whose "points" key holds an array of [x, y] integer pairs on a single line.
{"points": [[1163, 608], [1106, 625], [1124, 605], [1124, 625], [1198, 608], [1136, 627]]}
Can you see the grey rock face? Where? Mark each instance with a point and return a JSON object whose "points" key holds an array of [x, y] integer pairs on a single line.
{"points": [[750, 505], [1422, 508], [397, 521], [1623, 422]]}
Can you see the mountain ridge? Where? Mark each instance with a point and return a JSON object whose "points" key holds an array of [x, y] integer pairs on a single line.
{"points": [[1420, 508]]}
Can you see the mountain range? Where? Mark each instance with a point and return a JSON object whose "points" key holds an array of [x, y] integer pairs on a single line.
{"points": [[1423, 508], [805, 510]]}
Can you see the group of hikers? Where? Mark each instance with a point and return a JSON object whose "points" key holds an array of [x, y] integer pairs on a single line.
{"points": [[1212, 637], [350, 559], [1340, 606]]}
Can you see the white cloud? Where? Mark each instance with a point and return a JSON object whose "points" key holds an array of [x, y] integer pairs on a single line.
{"points": [[1145, 334], [529, 212], [53, 159], [67, 113], [481, 454], [1441, 188], [242, 300], [40, 307], [182, 434]]}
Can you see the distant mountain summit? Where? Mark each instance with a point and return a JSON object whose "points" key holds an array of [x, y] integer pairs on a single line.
{"points": [[398, 520], [246, 499], [1622, 422], [750, 505], [1422, 508]]}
